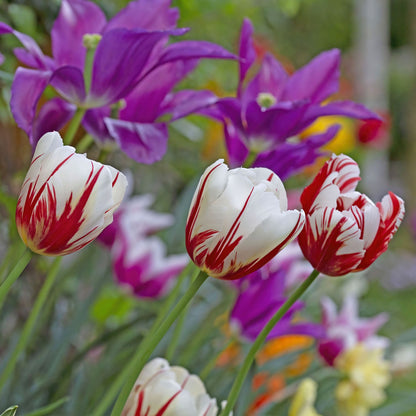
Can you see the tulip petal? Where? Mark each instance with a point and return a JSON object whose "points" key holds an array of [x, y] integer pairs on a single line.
{"points": [[246, 53], [289, 158], [144, 103], [339, 175], [69, 82], [113, 79], [144, 143], [75, 19], [94, 123], [391, 210], [145, 14], [317, 80], [331, 242], [53, 115], [270, 79], [27, 88], [193, 49]]}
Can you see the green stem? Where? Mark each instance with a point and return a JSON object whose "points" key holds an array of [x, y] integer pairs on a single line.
{"points": [[176, 334], [111, 392], [154, 340], [244, 369], [73, 125], [14, 252], [31, 322], [14, 274], [84, 144], [251, 157]]}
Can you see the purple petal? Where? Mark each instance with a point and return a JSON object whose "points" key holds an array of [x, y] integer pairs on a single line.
{"points": [[93, 123], [119, 60], [144, 143], [271, 78], [145, 14], [75, 19], [33, 56], [144, 103], [236, 148], [289, 158], [28, 86], [185, 102], [230, 108], [341, 108], [246, 52], [54, 114], [69, 82], [276, 123], [193, 49], [317, 80]]}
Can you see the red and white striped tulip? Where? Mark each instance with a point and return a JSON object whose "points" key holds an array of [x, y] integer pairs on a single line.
{"points": [[345, 231], [161, 390], [66, 199], [238, 220]]}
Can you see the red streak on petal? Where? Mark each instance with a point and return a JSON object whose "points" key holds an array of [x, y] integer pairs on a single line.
{"points": [[389, 222], [166, 405], [47, 233], [321, 242]]}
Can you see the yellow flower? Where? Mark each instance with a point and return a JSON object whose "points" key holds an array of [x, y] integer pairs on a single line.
{"points": [[303, 402], [367, 374]]}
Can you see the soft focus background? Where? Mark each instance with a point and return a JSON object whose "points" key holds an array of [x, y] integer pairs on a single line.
{"points": [[91, 326]]}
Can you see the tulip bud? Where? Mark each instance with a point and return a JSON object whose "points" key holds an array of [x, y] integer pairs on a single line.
{"points": [[163, 390], [238, 220], [345, 231], [66, 199]]}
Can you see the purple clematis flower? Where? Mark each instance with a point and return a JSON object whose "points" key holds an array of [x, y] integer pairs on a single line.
{"points": [[262, 123], [132, 62], [263, 292], [139, 258], [346, 329]]}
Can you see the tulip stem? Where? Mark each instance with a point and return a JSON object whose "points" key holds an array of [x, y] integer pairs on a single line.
{"points": [[244, 369], [14, 274], [73, 125], [149, 344], [111, 393], [31, 322]]}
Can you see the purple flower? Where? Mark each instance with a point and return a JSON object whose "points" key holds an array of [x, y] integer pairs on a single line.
{"points": [[270, 110], [346, 329], [139, 258], [263, 292], [132, 62]]}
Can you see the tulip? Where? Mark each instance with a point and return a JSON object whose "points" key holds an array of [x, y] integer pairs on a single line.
{"points": [[344, 230], [66, 199], [171, 391], [238, 220]]}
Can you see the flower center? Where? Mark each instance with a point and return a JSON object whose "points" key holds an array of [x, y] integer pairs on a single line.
{"points": [[91, 40], [265, 100]]}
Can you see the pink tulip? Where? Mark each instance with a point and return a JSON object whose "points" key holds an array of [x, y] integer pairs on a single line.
{"points": [[66, 199], [344, 230]]}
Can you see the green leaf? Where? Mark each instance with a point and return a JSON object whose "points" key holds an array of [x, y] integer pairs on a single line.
{"points": [[46, 410], [11, 411]]}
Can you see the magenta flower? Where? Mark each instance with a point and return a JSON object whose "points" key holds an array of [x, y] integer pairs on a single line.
{"points": [[131, 62], [139, 258], [346, 329], [271, 109], [263, 292]]}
